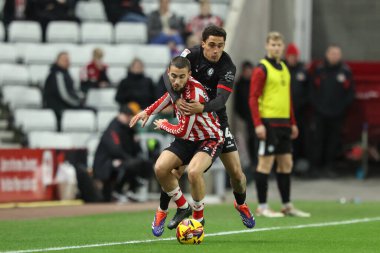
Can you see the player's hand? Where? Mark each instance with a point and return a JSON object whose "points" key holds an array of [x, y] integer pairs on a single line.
{"points": [[192, 107], [294, 133], [140, 116], [159, 122], [261, 132]]}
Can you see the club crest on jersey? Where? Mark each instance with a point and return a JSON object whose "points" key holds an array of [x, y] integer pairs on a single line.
{"points": [[210, 71]]}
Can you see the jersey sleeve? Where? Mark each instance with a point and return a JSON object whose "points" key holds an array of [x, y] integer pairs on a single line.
{"points": [[227, 77], [256, 90], [182, 129], [159, 105], [224, 89]]}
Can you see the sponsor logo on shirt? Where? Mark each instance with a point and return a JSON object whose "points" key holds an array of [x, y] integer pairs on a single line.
{"points": [[229, 77], [185, 52]]}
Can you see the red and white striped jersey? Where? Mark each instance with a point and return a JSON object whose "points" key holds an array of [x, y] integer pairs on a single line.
{"points": [[200, 126]]}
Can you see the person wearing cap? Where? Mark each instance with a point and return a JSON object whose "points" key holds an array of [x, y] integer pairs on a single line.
{"points": [[332, 91], [300, 98], [94, 75], [275, 126], [118, 158]]}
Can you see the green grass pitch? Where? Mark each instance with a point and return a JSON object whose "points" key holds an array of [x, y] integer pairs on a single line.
{"points": [[131, 232]]}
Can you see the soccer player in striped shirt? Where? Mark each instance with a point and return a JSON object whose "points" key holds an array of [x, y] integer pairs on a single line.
{"points": [[198, 142]]}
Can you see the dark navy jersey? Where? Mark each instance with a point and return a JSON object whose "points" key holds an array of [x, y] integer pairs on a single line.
{"points": [[213, 76]]}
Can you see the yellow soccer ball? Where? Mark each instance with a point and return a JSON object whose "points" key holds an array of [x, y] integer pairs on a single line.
{"points": [[190, 231]]}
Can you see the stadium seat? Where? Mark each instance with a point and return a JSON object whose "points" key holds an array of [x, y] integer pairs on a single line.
{"points": [[79, 139], [62, 32], [154, 55], [35, 120], [116, 74], [13, 74], [131, 33], [97, 32], [80, 55], [78, 121], [104, 118], [154, 73], [8, 53], [25, 31], [90, 11], [187, 10], [38, 74], [120, 55], [75, 75], [45, 139], [16, 96], [149, 6], [41, 54], [92, 145], [220, 10], [102, 99]]}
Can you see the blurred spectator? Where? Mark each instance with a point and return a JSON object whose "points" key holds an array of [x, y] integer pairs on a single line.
{"points": [[14, 10], [94, 75], [45, 11], [241, 107], [118, 158], [332, 91], [136, 87], [204, 19], [165, 27], [59, 93], [300, 99], [124, 10]]}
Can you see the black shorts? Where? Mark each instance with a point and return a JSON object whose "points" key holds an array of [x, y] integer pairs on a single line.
{"points": [[186, 150], [229, 141], [277, 142]]}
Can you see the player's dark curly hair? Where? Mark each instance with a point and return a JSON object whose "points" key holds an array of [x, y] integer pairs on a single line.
{"points": [[213, 30], [180, 62]]}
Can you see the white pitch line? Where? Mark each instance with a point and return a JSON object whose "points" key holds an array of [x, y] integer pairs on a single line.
{"points": [[325, 224]]}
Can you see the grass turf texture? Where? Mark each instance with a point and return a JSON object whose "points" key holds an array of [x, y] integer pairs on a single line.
{"points": [[136, 226]]}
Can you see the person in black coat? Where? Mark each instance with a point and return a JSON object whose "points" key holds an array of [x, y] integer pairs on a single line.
{"points": [[136, 87], [118, 157], [300, 100], [241, 107], [332, 91], [59, 93]]}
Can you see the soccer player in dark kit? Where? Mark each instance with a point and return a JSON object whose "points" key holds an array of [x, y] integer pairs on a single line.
{"points": [[214, 69]]}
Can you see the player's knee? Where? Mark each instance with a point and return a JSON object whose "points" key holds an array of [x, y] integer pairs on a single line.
{"points": [[264, 167], [159, 169], [285, 167], [193, 175]]}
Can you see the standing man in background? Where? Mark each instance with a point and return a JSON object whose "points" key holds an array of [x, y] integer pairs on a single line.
{"points": [[332, 91], [214, 69], [300, 98], [275, 126], [241, 108]]}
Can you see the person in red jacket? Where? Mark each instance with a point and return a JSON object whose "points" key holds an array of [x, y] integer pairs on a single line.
{"points": [[275, 126], [94, 75]]}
